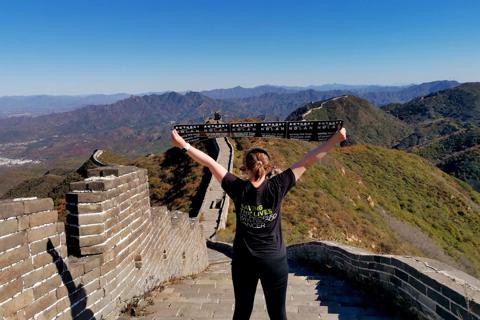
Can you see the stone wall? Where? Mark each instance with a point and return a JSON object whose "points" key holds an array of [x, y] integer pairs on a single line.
{"points": [[228, 154], [214, 208], [432, 289], [118, 247]]}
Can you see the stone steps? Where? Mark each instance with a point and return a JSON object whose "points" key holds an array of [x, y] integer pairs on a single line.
{"points": [[209, 295]]}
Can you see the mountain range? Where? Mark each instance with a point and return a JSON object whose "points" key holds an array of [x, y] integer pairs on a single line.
{"points": [[446, 130], [140, 124], [44, 104], [377, 192]]}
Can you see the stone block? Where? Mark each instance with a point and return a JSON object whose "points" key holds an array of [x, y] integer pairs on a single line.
{"points": [[23, 222], [78, 186], [454, 296], [32, 277], [15, 271], [110, 170], [41, 245], [87, 197], [437, 297], [47, 286], [445, 314], [103, 185], [78, 208], [91, 240], [45, 217], [38, 205], [41, 260], [61, 293], [97, 249], [85, 219], [42, 232], [92, 262], [10, 289], [40, 305], [92, 229], [8, 226], [10, 208], [13, 240], [417, 285], [91, 275], [49, 270]]}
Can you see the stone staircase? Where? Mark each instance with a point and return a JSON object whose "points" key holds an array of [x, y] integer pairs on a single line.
{"points": [[310, 295]]}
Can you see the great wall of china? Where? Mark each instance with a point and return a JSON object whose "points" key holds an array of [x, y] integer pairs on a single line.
{"points": [[114, 247]]}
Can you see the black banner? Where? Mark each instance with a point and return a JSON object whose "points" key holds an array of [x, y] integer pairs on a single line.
{"points": [[300, 130]]}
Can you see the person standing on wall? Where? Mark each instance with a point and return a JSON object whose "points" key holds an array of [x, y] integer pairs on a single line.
{"points": [[258, 249]]}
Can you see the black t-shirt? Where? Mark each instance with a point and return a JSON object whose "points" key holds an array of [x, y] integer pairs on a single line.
{"points": [[258, 231]]}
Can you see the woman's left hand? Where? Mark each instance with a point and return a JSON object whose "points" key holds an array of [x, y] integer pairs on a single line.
{"points": [[177, 140]]}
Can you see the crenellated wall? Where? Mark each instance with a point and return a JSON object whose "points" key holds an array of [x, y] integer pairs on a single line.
{"points": [[119, 247], [430, 288]]}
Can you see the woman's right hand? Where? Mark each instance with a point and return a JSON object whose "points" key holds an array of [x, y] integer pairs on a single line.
{"points": [[341, 135], [177, 140]]}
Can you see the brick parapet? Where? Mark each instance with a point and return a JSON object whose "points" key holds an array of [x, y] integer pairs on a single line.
{"points": [[120, 253], [434, 290]]}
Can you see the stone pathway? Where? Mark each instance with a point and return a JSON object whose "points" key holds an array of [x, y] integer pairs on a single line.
{"points": [[212, 205], [310, 295]]}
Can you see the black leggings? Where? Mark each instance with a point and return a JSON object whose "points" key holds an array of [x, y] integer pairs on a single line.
{"points": [[273, 274]]}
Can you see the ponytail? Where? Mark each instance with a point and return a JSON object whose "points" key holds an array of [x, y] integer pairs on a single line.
{"points": [[258, 163]]}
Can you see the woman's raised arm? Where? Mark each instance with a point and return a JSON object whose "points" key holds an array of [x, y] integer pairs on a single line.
{"points": [[217, 170], [318, 153]]}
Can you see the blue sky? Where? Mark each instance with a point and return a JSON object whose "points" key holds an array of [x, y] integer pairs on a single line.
{"points": [[78, 47]]}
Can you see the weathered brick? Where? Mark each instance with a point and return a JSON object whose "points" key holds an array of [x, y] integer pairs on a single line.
{"points": [[92, 240], [437, 297], [102, 185], [40, 304], [87, 197], [24, 299], [107, 267], [42, 232], [79, 208], [417, 285], [42, 259], [91, 229], [48, 314], [23, 222], [97, 249], [13, 240], [32, 277], [37, 205], [49, 270], [444, 314], [10, 208], [63, 303], [92, 263], [78, 185], [83, 219], [15, 271], [41, 245], [45, 217], [13, 256], [47, 286], [62, 292], [8, 226], [454, 295], [10, 289], [91, 275], [111, 170]]}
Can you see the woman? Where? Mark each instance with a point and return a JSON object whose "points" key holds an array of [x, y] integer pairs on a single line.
{"points": [[258, 248]]}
